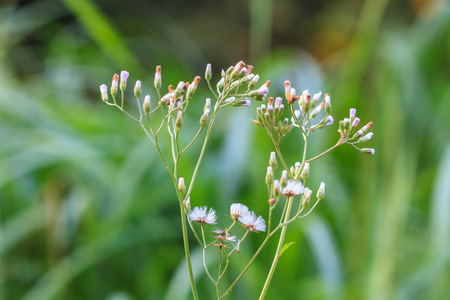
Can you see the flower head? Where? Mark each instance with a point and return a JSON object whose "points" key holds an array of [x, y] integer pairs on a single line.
{"points": [[237, 210], [200, 215], [293, 188], [251, 222]]}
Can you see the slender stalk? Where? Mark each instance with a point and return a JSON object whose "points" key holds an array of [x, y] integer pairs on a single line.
{"points": [[325, 152], [278, 252]]}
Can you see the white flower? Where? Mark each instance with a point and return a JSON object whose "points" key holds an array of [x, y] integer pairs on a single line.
{"points": [[237, 210], [249, 220], [200, 215], [293, 188]]}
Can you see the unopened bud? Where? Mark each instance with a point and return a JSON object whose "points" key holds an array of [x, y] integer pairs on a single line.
{"points": [[221, 83], [305, 171], [253, 82], [272, 201], [179, 90], [207, 104], [104, 92], [321, 191], [179, 120], [366, 137], [273, 160], [276, 189], [306, 197], [284, 179], [157, 82], [368, 151], [316, 111], [269, 176], [123, 80], [137, 89], [192, 87], [297, 170], [146, 104], [181, 186], [327, 103], [187, 203], [352, 114], [114, 85], [204, 117], [208, 72]]}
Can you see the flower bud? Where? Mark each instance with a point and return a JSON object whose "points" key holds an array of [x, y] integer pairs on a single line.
{"points": [[204, 117], [352, 114], [305, 171], [363, 130], [179, 90], [316, 111], [123, 80], [276, 189], [269, 176], [181, 186], [104, 92], [366, 137], [192, 87], [221, 84], [179, 120], [306, 197], [272, 201], [284, 179], [137, 89], [208, 72], [207, 104], [157, 82], [327, 103], [287, 89], [253, 82], [146, 104], [368, 151], [321, 191], [187, 203], [297, 170], [354, 124], [273, 160], [114, 84]]}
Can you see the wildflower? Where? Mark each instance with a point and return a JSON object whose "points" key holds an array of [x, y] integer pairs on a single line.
{"points": [[306, 197], [251, 222], [237, 210], [224, 235], [327, 103], [273, 160], [200, 215], [104, 92], [293, 188], [181, 185]]}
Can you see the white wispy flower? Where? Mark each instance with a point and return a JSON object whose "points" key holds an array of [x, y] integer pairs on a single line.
{"points": [[251, 222], [224, 235], [200, 215], [293, 188], [237, 209]]}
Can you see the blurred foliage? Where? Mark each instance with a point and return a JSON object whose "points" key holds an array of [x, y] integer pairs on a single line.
{"points": [[87, 210]]}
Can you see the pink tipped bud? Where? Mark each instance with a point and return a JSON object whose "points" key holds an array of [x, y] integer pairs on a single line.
{"points": [[123, 80], [355, 123], [104, 92], [329, 120], [253, 82], [368, 151], [114, 85], [179, 90], [137, 89], [157, 81], [366, 137], [278, 101]]}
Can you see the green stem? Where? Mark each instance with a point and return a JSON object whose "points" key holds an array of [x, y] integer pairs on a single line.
{"points": [[278, 252], [186, 249]]}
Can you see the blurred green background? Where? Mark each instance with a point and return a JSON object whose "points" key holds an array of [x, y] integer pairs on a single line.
{"points": [[87, 210]]}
